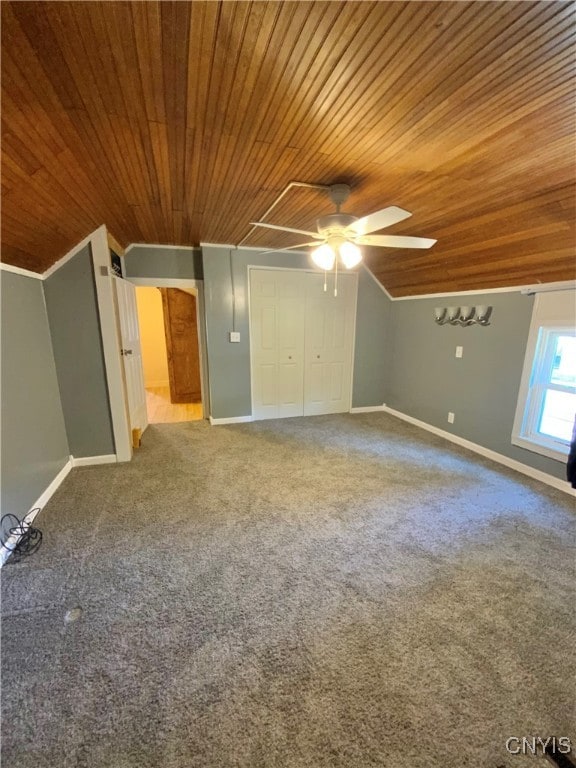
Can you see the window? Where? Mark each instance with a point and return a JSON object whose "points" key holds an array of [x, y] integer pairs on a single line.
{"points": [[547, 403]]}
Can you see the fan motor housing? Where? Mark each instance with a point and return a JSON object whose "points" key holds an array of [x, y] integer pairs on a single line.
{"points": [[334, 223]]}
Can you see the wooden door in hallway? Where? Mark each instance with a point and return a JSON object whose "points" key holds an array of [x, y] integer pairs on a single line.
{"points": [[181, 329]]}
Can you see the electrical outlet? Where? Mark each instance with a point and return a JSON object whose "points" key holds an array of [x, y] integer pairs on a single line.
{"points": [[450, 417], [459, 351], [235, 336]]}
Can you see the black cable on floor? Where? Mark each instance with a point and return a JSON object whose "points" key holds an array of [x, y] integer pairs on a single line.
{"points": [[26, 539]]}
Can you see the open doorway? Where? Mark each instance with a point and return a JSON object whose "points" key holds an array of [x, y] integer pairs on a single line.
{"points": [[171, 353]]}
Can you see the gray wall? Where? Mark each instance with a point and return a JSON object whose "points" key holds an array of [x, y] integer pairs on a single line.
{"points": [[75, 327], [373, 343], [34, 444], [481, 388], [162, 261], [229, 364]]}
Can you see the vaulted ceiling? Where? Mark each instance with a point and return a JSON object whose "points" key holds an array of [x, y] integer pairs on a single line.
{"points": [[180, 123]]}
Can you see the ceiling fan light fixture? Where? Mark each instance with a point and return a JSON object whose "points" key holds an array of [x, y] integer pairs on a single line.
{"points": [[350, 254], [324, 257]]}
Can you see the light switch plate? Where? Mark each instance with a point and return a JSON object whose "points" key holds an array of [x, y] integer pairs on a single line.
{"points": [[450, 417], [235, 336], [459, 351]]}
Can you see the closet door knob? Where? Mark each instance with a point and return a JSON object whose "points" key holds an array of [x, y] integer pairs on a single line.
{"points": [[318, 356]]}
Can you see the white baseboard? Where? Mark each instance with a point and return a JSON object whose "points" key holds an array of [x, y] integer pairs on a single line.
{"points": [[232, 420], [535, 474], [367, 408], [41, 501], [89, 461]]}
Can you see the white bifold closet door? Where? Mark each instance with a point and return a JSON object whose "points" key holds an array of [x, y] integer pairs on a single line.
{"points": [[329, 340], [277, 304], [301, 343]]}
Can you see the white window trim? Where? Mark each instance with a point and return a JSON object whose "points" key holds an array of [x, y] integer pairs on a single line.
{"points": [[555, 316]]}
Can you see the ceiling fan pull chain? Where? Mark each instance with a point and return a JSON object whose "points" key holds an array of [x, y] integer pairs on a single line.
{"points": [[325, 281], [336, 278]]}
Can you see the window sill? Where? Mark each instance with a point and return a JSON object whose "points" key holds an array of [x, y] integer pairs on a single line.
{"points": [[558, 454]]}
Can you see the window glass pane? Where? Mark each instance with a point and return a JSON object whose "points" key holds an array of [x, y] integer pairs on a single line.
{"points": [[557, 418], [564, 365]]}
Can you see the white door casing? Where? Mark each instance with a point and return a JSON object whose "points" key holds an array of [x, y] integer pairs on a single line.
{"points": [[131, 353], [277, 302]]}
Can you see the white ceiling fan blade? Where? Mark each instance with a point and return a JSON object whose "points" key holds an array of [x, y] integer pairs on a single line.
{"points": [[396, 241], [286, 229], [290, 248], [378, 220]]}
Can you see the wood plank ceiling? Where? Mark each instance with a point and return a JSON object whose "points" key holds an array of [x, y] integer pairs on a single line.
{"points": [[181, 122]]}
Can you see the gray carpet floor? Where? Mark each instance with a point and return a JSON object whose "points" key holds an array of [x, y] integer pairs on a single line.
{"points": [[343, 591]]}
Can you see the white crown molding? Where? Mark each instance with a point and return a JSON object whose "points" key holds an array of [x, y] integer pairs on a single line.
{"points": [[524, 289], [565, 285], [535, 474], [232, 420], [165, 282], [19, 271], [161, 245]]}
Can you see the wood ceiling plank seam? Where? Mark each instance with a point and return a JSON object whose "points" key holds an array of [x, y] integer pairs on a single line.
{"points": [[503, 104], [303, 123], [144, 51], [175, 36], [416, 128], [158, 133], [128, 79], [95, 31], [175, 106], [154, 49], [367, 71], [249, 129], [200, 76], [233, 48], [35, 26], [256, 37], [396, 73], [13, 145], [116, 183], [316, 84], [127, 62], [65, 130], [484, 251], [496, 99], [212, 117], [299, 36], [26, 128], [99, 120], [293, 58], [34, 210], [344, 113], [15, 85], [485, 217], [194, 105]]}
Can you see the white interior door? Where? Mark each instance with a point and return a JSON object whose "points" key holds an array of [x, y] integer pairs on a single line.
{"points": [[131, 353], [329, 344], [277, 301]]}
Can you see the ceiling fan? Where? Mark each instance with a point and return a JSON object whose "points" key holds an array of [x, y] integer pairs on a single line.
{"points": [[340, 233]]}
